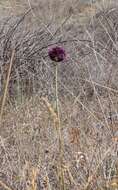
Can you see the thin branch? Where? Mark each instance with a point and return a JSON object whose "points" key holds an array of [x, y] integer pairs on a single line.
{"points": [[6, 85]]}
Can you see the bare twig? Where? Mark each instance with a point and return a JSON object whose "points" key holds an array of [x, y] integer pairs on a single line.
{"points": [[6, 85]]}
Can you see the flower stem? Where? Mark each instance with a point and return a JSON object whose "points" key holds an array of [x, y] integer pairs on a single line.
{"points": [[56, 90], [61, 177]]}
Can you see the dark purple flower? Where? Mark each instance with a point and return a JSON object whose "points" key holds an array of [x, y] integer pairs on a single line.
{"points": [[57, 54]]}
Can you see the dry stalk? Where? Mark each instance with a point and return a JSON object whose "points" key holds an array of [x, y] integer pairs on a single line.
{"points": [[6, 85], [33, 184], [52, 112], [4, 186]]}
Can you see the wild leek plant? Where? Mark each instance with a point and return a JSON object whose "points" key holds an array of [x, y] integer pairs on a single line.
{"points": [[57, 54]]}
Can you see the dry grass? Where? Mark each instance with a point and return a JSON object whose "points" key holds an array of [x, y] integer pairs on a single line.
{"points": [[87, 93]]}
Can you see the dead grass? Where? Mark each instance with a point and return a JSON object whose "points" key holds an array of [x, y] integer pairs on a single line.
{"points": [[88, 100]]}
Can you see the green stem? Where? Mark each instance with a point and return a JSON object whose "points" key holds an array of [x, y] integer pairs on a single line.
{"points": [[62, 186], [56, 90]]}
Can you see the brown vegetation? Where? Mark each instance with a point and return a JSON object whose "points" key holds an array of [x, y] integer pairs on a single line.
{"points": [[76, 148]]}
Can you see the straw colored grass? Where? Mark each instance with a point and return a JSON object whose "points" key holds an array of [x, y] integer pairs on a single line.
{"points": [[74, 146]]}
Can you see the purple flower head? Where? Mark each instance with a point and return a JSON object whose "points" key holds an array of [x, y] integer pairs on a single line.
{"points": [[57, 54]]}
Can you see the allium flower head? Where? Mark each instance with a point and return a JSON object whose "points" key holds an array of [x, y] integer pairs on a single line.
{"points": [[57, 54]]}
